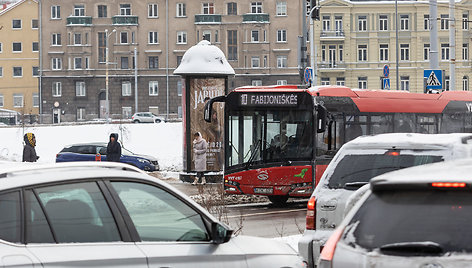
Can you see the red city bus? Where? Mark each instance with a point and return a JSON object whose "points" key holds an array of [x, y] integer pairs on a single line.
{"points": [[280, 139]]}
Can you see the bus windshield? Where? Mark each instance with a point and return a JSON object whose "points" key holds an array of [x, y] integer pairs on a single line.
{"points": [[269, 136]]}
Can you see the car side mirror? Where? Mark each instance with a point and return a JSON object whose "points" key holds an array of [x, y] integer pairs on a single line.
{"points": [[219, 233], [322, 117], [208, 109]]}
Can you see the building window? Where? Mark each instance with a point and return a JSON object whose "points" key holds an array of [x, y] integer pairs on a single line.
{"points": [[465, 83], [1, 48], [256, 83], [153, 88], [17, 47], [181, 37], [125, 9], [56, 63], [404, 22], [181, 10], [281, 8], [34, 24], [153, 38], [281, 61], [232, 8], [80, 113], [77, 39], [1, 100], [16, 24], [447, 82], [87, 62], [256, 7], [78, 63], [255, 62], [426, 51], [55, 12], [326, 23], [383, 23], [362, 23], [79, 10], [1, 71], [233, 45], [341, 51], [126, 112], [340, 81], [405, 52], [444, 51], [35, 46], [338, 24], [18, 100], [362, 82], [153, 11], [383, 52], [255, 36], [444, 22], [126, 88], [465, 21], [179, 60], [362, 52], [323, 53], [79, 88], [102, 46], [102, 11], [35, 71], [465, 51], [124, 37], [179, 87], [325, 81], [35, 100], [56, 89], [281, 82], [282, 36], [56, 39], [208, 8], [17, 71], [154, 62], [426, 22], [124, 63], [207, 35], [404, 83]]}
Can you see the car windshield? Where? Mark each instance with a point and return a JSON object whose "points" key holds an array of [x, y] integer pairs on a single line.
{"points": [[406, 217], [358, 168], [126, 152]]}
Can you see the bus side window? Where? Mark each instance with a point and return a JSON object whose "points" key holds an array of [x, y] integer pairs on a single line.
{"points": [[426, 124], [403, 123], [353, 127], [381, 124], [453, 123]]}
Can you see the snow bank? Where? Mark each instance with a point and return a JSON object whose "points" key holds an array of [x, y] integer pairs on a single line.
{"points": [[163, 141]]}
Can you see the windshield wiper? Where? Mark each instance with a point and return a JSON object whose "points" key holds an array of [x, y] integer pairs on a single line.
{"points": [[412, 249], [355, 185], [253, 154]]}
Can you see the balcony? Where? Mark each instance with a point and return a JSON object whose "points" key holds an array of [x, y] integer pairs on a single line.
{"points": [[79, 21], [332, 67], [253, 17], [207, 19], [125, 20], [332, 35]]}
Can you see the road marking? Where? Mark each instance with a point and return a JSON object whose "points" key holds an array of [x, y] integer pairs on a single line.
{"points": [[267, 213]]}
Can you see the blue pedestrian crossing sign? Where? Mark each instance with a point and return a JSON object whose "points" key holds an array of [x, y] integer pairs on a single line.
{"points": [[308, 75], [386, 83], [434, 79]]}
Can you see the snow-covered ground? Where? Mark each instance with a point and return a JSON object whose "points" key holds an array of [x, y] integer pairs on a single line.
{"points": [[163, 141]]}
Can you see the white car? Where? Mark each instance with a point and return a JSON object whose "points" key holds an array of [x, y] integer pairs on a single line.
{"points": [[360, 160], [146, 117], [103, 214], [414, 217]]}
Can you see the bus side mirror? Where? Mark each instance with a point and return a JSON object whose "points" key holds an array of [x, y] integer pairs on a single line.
{"points": [[208, 110], [322, 117]]}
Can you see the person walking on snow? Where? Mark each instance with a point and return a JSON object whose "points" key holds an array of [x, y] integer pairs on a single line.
{"points": [[199, 157], [29, 152], [113, 148]]}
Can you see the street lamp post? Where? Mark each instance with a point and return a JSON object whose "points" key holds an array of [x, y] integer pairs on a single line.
{"points": [[107, 105]]}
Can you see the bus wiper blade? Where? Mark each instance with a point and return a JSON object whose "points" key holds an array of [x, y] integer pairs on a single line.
{"points": [[412, 249], [355, 185], [253, 154]]}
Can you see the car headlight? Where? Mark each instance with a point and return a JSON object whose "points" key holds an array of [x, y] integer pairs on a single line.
{"points": [[144, 161]]}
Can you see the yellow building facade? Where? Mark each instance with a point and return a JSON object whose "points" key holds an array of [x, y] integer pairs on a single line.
{"points": [[356, 39], [19, 57]]}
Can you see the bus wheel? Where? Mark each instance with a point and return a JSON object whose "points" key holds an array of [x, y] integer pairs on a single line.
{"points": [[278, 200]]}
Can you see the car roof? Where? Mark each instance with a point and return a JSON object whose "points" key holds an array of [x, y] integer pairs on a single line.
{"points": [[87, 144], [409, 141], [422, 176]]}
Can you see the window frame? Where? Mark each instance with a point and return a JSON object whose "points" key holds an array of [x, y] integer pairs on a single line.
{"points": [[282, 36], [181, 10], [55, 12], [383, 23], [56, 89], [16, 44], [281, 8], [18, 95], [80, 89], [153, 38], [125, 9], [13, 24], [153, 11], [282, 61], [152, 88], [404, 22], [362, 23], [256, 8], [181, 37], [126, 89], [20, 69], [102, 11]]}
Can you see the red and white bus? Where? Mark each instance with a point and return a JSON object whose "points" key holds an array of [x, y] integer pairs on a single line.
{"points": [[280, 139]]}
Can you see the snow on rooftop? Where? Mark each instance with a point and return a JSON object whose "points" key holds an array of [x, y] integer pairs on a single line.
{"points": [[204, 58]]}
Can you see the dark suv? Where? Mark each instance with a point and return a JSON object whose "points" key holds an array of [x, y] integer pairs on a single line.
{"points": [[98, 152]]}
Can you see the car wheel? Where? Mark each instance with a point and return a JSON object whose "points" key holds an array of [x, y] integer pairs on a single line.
{"points": [[157, 120], [136, 121], [278, 200]]}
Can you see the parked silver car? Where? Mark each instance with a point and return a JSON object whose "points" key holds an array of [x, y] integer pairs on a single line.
{"points": [[360, 160], [146, 117], [414, 217], [102, 214]]}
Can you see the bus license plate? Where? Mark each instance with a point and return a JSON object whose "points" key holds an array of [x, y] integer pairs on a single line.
{"points": [[263, 190]]}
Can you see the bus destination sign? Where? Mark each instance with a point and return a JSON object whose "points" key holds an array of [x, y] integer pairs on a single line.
{"points": [[269, 99]]}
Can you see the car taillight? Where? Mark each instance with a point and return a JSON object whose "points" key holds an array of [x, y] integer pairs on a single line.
{"points": [[449, 184], [327, 253], [311, 214]]}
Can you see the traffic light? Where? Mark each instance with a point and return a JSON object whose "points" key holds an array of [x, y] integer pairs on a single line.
{"points": [[314, 10]]}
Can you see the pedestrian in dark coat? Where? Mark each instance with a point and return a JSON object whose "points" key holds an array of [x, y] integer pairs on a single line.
{"points": [[29, 152], [113, 148]]}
